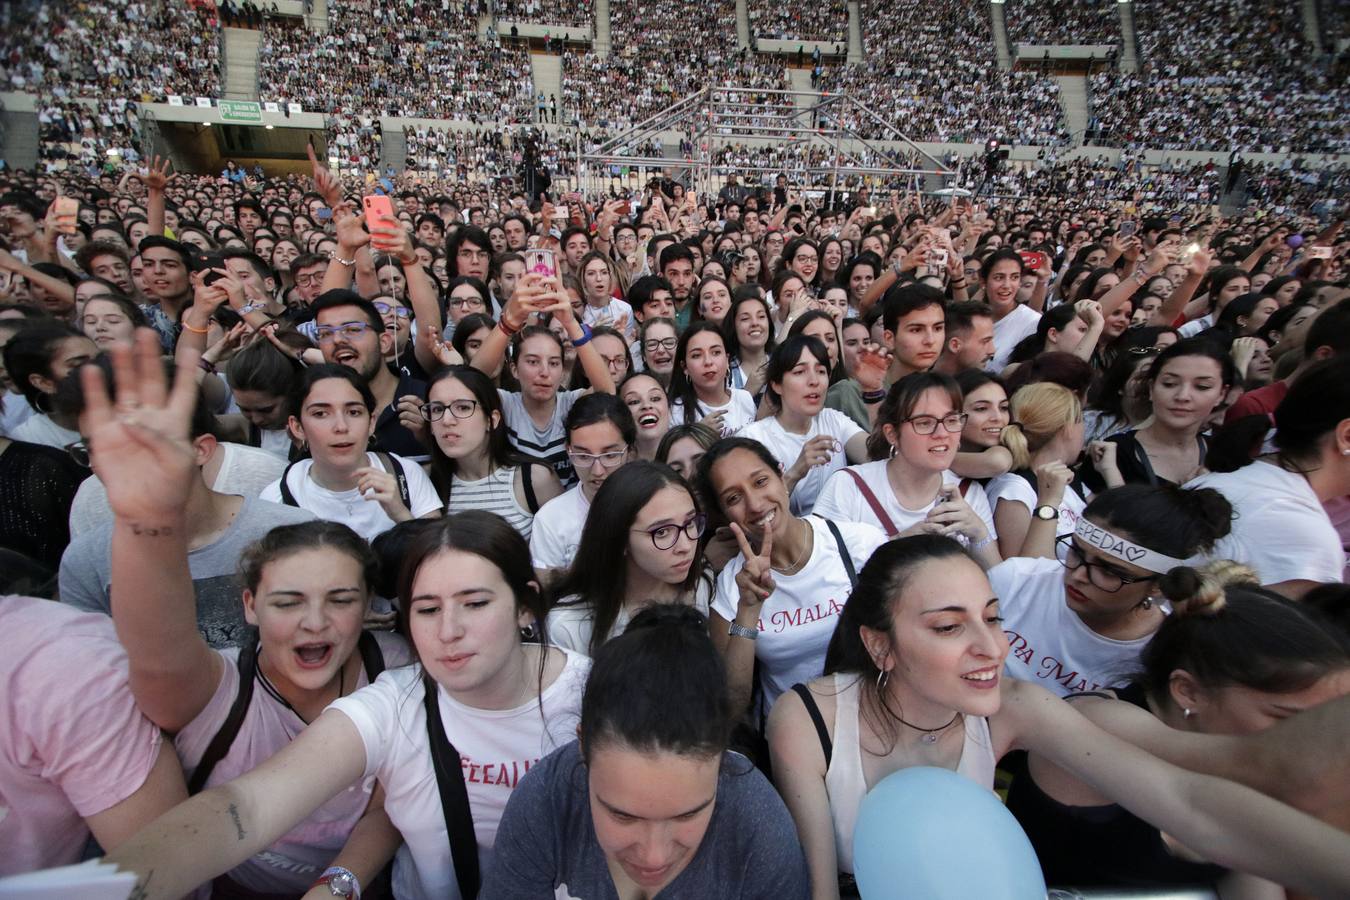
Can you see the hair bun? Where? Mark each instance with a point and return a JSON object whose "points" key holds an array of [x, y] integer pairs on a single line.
{"points": [[1203, 591]]}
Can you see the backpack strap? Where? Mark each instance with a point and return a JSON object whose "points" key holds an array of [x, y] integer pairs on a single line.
{"points": [[844, 555], [372, 657], [877, 509], [287, 496], [395, 468], [234, 720], [816, 719], [454, 797], [527, 483]]}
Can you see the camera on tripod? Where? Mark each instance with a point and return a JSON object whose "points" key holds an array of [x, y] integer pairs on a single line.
{"points": [[995, 154]]}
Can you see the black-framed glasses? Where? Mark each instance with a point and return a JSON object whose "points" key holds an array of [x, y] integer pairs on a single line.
{"points": [[651, 345], [350, 330], [385, 309], [608, 460], [929, 424], [459, 409], [665, 536], [467, 303], [79, 451], [1099, 574]]}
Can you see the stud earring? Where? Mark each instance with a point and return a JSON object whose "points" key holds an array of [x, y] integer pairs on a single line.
{"points": [[1186, 713]]}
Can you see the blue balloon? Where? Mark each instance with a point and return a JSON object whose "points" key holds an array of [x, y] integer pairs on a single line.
{"points": [[931, 834]]}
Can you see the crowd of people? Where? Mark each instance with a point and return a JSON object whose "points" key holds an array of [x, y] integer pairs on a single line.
{"points": [[571, 14], [1194, 92], [929, 68], [815, 486], [420, 60], [813, 22], [1085, 22]]}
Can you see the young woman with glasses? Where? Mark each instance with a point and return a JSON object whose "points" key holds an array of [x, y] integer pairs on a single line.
{"points": [[473, 465], [1079, 622], [658, 342], [640, 546], [909, 487]]}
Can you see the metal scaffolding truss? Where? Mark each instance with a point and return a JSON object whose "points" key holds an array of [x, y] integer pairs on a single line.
{"points": [[724, 115]]}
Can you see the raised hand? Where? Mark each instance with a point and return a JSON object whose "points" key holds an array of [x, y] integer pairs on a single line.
{"points": [[953, 515], [816, 452], [1051, 480], [139, 441], [391, 238], [873, 364], [755, 579], [382, 487], [351, 232], [326, 184], [158, 175]]}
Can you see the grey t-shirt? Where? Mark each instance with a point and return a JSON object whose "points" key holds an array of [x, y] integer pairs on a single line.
{"points": [[86, 570], [546, 846]]}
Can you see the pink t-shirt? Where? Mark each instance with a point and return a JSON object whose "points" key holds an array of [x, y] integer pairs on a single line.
{"points": [[72, 742], [292, 864]]}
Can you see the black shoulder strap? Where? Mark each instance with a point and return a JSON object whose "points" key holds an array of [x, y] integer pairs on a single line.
{"points": [[395, 468], [229, 729], [817, 719], [843, 553], [287, 497], [527, 482], [454, 797], [254, 435], [1141, 457], [372, 657]]}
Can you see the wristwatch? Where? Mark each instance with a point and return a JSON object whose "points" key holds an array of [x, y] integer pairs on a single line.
{"points": [[750, 634], [1046, 513], [340, 882]]}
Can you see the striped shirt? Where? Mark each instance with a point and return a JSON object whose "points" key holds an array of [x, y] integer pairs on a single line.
{"points": [[495, 494], [546, 446]]}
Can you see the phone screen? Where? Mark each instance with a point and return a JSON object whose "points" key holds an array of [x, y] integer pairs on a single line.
{"points": [[541, 262]]}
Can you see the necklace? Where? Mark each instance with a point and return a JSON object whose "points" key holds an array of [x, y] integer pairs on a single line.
{"points": [[801, 557], [930, 735]]}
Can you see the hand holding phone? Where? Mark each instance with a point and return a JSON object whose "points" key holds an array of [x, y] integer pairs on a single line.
{"points": [[377, 208]]}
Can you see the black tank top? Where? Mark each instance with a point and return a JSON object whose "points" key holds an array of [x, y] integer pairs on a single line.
{"points": [[1099, 846]]}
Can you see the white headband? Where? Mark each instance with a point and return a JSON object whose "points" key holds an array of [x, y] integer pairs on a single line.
{"points": [[1126, 550]]}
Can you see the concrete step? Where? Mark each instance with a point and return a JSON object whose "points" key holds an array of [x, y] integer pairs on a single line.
{"points": [[20, 139], [742, 24], [800, 80], [546, 73], [999, 26], [239, 60], [603, 41], [1073, 97], [393, 150], [1129, 49], [855, 35]]}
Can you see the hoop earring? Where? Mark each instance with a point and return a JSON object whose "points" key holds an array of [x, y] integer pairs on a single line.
{"points": [[894, 450], [883, 676]]}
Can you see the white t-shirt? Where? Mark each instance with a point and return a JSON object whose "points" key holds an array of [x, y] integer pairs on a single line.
{"points": [[786, 447], [245, 471], [366, 517], [40, 429], [613, 312], [1047, 643], [570, 624], [842, 501], [557, 529], [1013, 488], [496, 748], [1280, 528], [1195, 326], [14, 411], [798, 618], [1009, 331], [740, 412], [276, 441]]}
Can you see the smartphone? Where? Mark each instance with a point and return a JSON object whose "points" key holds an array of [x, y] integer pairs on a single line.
{"points": [[377, 207], [323, 214], [870, 211], [1189, 251], [1128, 228], [624, 208], [1319, 252], [1031, 259], [541, 261], [560, 212], [67, 206], [937, 259]]}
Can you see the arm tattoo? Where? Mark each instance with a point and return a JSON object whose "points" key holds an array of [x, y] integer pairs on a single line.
{"points": [[234, 817]]}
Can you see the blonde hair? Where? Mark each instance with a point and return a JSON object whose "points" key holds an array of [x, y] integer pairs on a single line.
{"points": [[1039, 411]]}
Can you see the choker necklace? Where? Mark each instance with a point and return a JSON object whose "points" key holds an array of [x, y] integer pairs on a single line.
{"points": [[930, 735]]}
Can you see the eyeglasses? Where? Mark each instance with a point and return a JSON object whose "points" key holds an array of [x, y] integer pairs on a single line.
{"points": [[467, 302], [665, 536], [460, 409], [587, 460], [351, 331], [1099, 574], [651, 345], [79, 451], [1145, 351], [385, 309], [929, 424], [309, 278]]}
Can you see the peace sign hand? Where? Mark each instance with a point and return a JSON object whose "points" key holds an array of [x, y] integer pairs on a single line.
{"points": [[139, 441], [755, 579]]}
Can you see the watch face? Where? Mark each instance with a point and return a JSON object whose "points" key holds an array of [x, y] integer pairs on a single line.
{"points": [[342, 885]]}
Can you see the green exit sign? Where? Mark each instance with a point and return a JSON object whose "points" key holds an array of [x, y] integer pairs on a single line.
{"points": [[240, 111]]}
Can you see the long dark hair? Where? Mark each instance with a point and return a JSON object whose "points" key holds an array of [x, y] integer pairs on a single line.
{"points": [[798, 326], [880, 583], [499, 449], [659, 687], [785, 358], [729, 336], [1057, 318], [681, 388], [599, 570]]}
